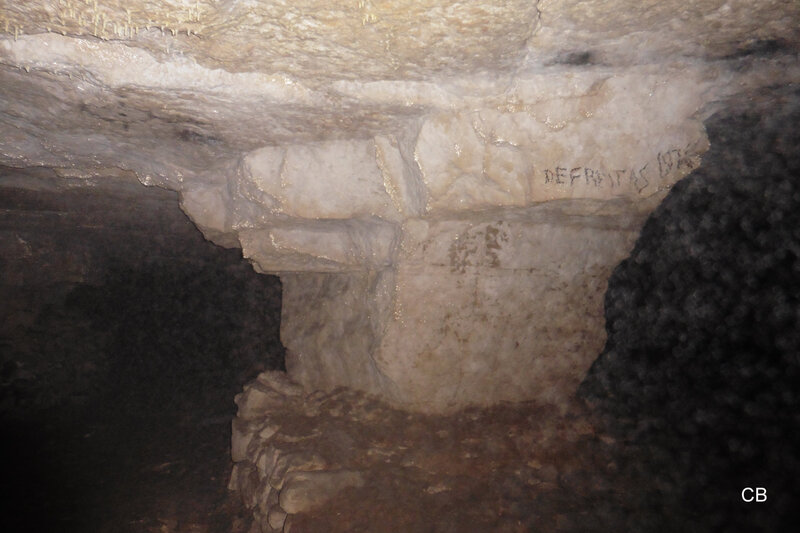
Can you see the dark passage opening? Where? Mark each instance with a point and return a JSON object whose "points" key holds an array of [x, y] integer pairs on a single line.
{"points": [[700, 375], [125, 336]]}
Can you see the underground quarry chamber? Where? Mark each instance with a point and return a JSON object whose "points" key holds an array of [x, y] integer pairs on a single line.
{"points": [[399, 266]]}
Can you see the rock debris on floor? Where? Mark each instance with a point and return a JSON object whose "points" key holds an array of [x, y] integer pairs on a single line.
{"points": [[344, 461]]}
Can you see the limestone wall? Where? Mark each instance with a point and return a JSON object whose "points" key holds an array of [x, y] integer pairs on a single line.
{"points": [[466, 264]]}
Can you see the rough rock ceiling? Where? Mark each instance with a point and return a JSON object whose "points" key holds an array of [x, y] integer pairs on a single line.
{"points": [[172, 88]]}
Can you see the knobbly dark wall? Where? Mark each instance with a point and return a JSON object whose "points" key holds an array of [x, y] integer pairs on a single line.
{"points": [[110, 292], [701, 371]]}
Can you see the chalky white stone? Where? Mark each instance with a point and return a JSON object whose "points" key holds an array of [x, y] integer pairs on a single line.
{"points": [[305, 490]]}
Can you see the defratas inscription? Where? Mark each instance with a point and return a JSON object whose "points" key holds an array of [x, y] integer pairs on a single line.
{"points": [[665, 163]]}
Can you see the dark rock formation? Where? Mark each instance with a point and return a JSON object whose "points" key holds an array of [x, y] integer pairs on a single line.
{"points": [[110, 290], [702, 368]]}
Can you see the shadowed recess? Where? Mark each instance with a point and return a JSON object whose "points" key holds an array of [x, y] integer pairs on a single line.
{"points": [[701, 366]]}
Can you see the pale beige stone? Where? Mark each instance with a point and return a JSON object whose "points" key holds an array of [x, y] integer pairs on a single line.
{"points": [[339, 328], [352, 185], [256, 400], [242, 433], [305, 490], [626, 32], [247, 482], [534, 280], [551, 150], [280, 382], [276, 518], [267, 459], [233, 482], [321, 246], [293, 461]]}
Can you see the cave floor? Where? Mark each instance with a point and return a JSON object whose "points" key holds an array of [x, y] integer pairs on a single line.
{"points": [[90, 470], [112, 462], [509, 468]]}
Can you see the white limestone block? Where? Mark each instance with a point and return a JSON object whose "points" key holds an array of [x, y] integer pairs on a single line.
{"points": [[332, 325], [208, 207], [303, 491], [401, 178], [280, 382], [242, 434], [294, 461], [322, 246], [478, 310], [333, 179], [276, 518], [623, 136], [256, 401]]}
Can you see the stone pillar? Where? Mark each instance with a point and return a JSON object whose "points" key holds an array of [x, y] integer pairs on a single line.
{"points": [[462, 260], [500, 306]]}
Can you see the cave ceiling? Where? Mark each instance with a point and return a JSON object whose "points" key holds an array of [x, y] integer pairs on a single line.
{"points": [[173, 89]]}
